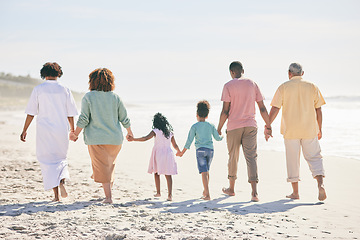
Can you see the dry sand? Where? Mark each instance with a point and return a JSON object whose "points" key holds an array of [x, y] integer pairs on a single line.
{"points": [[27, 213]]}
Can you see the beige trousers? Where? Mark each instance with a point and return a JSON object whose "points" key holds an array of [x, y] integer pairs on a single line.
{"points": [[311, 151], [245, 137]]}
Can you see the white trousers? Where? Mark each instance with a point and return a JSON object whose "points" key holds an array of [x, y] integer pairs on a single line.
{"points": [[311, 151]]}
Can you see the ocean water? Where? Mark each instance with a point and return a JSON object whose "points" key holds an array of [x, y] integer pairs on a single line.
{"points": [[341, 125]]}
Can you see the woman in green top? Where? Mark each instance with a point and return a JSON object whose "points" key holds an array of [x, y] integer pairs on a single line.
{"points": [[102, 111]]}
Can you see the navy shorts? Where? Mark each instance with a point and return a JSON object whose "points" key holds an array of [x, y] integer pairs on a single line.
{"points": [[204, 157]]}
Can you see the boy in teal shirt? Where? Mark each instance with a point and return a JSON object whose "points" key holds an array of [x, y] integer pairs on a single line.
{"points": [[203, 132]]}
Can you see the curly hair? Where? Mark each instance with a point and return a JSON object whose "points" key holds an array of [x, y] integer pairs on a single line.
{"points": [[203, 108], [101, 79], [160, 122], [51, 69]]}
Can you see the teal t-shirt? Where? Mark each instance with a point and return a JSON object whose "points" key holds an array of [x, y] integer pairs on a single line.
{"points": [[203, 132], [101, 115]]}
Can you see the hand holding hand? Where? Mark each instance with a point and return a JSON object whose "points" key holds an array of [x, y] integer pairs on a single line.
{"points": [[130, 138], [267, 133], [179, 154], [73, 137]]}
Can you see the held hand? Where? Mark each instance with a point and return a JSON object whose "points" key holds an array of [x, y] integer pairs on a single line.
{"points": [[129, 135], [130, 138], [23, 136], [179, 154], [319, 135], [73, 137], [219, 132], [267, 133]]}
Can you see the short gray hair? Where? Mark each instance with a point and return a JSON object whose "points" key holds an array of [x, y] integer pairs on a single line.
{"points": [[296, 69]]}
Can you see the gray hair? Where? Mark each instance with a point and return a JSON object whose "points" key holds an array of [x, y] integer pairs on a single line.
{"points": [[296, 69]]}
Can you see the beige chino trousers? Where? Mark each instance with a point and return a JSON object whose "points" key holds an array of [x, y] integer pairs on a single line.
{"points": [[245, 137]]}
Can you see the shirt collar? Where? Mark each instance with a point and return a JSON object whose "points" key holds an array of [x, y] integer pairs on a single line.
{"points": [[296, 78]]}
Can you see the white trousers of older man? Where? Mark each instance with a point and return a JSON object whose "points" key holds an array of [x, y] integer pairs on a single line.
{"points": [[312, 154]]}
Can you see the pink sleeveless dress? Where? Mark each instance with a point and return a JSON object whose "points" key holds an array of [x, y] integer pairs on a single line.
{"points": [[162, 159]]}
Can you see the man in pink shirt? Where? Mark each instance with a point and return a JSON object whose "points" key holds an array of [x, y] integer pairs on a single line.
{"points": [[239, 96]]}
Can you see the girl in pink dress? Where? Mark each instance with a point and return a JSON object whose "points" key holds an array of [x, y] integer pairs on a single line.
{"points": [[162, 159]]}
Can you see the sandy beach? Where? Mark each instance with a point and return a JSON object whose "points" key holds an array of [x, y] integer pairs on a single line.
{"points": [[26, 211]]}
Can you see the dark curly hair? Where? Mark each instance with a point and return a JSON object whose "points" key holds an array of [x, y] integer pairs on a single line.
{"points": [[51, 69], [203, 108], [101, 79], [160, 122]]}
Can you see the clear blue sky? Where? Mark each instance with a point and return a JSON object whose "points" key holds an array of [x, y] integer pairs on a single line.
{"points": [[182, 49]]}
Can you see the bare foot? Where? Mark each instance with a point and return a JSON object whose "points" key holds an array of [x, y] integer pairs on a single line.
{"points": [[169, 198], [56, 200], [322, 193], [293, 196], [227, 191], [108, 200], [63, 192], [254, 198], [206, 197], [157, 195]]}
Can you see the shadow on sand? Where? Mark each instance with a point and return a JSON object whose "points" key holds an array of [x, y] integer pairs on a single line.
{"points": [[44, 206], [188, 206], [240, 208]]}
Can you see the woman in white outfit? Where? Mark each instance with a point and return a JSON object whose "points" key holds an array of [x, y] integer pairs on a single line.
{"points": [[55, 108]]}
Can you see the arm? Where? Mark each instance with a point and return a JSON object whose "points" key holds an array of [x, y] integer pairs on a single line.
{"points": [[265, 117], [129, 133], [273, 113], [223, 116], [175, 145], [190, 138], [142, 139], [180, 154], [264, 113], [71, 122], [319, 120], [28, 120], [74, 135], [216, 135], [124, 120]]}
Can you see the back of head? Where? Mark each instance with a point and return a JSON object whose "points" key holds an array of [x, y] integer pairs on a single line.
{"points": [[237, 68], [203, 108], [160, 122], [101, 79], [296, 69], [51, 69]]}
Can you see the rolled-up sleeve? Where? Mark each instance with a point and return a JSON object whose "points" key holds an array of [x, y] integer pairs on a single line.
{"points": [[84, 117], [123, 118]]}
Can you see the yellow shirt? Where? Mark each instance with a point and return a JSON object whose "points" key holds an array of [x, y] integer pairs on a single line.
{"points": [[299, 100]]}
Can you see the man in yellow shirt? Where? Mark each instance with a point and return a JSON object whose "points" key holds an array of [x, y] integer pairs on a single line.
{"points": [[301, 124]]}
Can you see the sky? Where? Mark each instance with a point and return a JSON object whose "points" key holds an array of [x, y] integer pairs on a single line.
{"points": [[174, 50]]}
